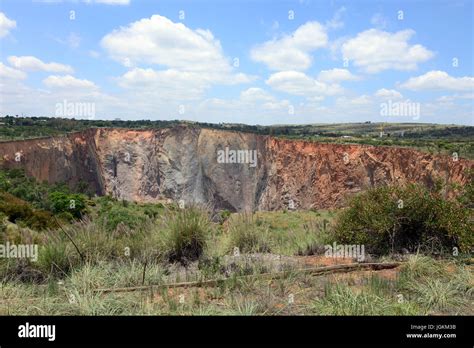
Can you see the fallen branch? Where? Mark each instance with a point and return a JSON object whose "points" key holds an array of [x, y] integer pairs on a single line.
{"points": [[277, 275]]}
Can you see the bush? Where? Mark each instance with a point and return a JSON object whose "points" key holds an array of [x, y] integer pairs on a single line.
{"points": [[119, 215], [224, 215], [390, 219], [55, 198], [466, 196], [186, 234], [22, 212], [74, 204]]}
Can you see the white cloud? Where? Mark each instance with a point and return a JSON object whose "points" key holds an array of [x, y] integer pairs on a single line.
{"points": [[11, 74], [336, 75], [375, 50], [361, 100], [6, 24], [193, 59], [157, 40], [252, 101], [298, 83], [292, 52], [439, 80], [255, 94], [30, 63], [452, 98], [172, 83], [68, 82], [165, 84], [388, 94]]}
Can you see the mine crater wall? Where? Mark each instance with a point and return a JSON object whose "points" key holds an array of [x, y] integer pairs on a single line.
{"points": [[181, 163]]}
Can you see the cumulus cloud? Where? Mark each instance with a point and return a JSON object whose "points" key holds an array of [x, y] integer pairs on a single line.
{"points": [[255, 94], [375, 50], [361, 100], [452, 98], [336, 75], [10, 73], [30, 63], [193, 59], [169, 83], [68, 82], [439, 80], [388, 94], [252, 101], [298, 83], [158, 40], [172, 83], [6, 24], [292, 52]]}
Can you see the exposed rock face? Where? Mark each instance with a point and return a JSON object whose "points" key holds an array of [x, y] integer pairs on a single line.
{"points": [[182, 164], [69, 159]]}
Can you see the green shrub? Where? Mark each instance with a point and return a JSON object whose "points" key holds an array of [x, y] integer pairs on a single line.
{"points": [[389, 219], [153, 210], [466, 196], [74, 204], [119, 215], [22, 212], [224, 215]]}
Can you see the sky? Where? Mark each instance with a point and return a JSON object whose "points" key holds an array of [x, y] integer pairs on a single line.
{"points": [[239, 61]]}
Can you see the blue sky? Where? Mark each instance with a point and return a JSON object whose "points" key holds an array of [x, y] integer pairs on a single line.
{"points": [[255, 62]]}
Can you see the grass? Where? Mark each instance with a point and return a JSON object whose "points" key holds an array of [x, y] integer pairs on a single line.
{"points": [[436, 294], [185, 245], [439, 286], [340, 299], [296, 232], [247, 233], [186, 233], [362, 294]]}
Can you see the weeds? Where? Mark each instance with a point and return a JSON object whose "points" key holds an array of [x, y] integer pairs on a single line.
{"points": [[247, 234]]}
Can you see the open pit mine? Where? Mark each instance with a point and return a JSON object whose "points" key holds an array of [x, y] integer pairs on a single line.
{"points": [[182, 164]]}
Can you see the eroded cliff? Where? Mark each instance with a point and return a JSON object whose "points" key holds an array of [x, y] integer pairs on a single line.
{"points": [[181, 163]]}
